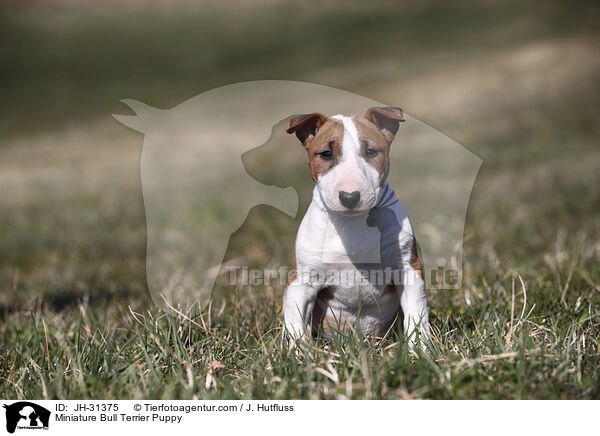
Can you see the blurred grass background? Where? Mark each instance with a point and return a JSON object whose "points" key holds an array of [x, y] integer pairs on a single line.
{"points": [[515, 82]]}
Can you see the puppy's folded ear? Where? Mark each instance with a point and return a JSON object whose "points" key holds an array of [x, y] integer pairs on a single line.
{"points": [[387, 119], [306, 126]]}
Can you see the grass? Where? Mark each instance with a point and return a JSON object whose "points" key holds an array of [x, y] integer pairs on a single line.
{"points": [[75, 318], [497, 346]]}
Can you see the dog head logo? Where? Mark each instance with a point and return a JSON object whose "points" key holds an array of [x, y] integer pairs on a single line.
{"points": [[26, 415], [210, 161]]}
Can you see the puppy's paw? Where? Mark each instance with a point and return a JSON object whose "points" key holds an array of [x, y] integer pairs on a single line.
{"points": [[419, 339], [294, 340]]}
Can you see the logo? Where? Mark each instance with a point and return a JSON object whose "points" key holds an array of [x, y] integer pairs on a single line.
{"points": [[26, 415]]}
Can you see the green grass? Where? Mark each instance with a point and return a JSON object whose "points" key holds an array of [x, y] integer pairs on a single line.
{"points": [[488, 348], [75, 318]]}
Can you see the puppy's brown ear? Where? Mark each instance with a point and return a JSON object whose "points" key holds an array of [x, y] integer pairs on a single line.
{"points": [[306, 126], [387, 119]]}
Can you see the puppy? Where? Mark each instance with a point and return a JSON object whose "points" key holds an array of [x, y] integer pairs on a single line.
{"points": [[356, 262]]}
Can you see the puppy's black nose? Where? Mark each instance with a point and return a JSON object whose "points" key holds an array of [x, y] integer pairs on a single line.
{"points": [[349, 199]]}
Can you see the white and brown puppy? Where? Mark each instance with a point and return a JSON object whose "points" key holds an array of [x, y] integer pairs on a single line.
{"points": [[356, 262]]}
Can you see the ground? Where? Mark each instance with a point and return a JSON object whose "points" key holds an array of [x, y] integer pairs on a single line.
{"points": [[515, 82]]}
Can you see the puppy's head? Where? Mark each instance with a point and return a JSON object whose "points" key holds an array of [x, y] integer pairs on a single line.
{"points": [[349, 157]]}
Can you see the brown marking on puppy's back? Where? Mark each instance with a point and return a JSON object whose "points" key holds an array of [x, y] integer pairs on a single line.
{"points": [[294, 272], [415, 262]]}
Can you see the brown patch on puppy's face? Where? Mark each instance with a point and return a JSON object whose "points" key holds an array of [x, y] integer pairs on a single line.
{"points": [[322, 138], [376, 131], [374, 146], [325, 148]]}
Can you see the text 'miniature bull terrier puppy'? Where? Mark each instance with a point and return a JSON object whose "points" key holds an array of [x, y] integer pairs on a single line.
{"points": [[356, 261]]}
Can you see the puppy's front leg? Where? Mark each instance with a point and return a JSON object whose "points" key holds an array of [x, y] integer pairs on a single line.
{"points": [[413, 300], [298, 305]]}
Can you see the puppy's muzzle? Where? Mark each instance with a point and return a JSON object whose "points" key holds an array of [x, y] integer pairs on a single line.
{"points": [[349, 199]]}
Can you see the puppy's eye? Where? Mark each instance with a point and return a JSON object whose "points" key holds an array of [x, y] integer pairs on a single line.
{"points": [[327, 154], [371, 152]]}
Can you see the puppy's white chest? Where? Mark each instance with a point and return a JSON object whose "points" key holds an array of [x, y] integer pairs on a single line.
{"points": [[352, 243], [333, 241]]}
